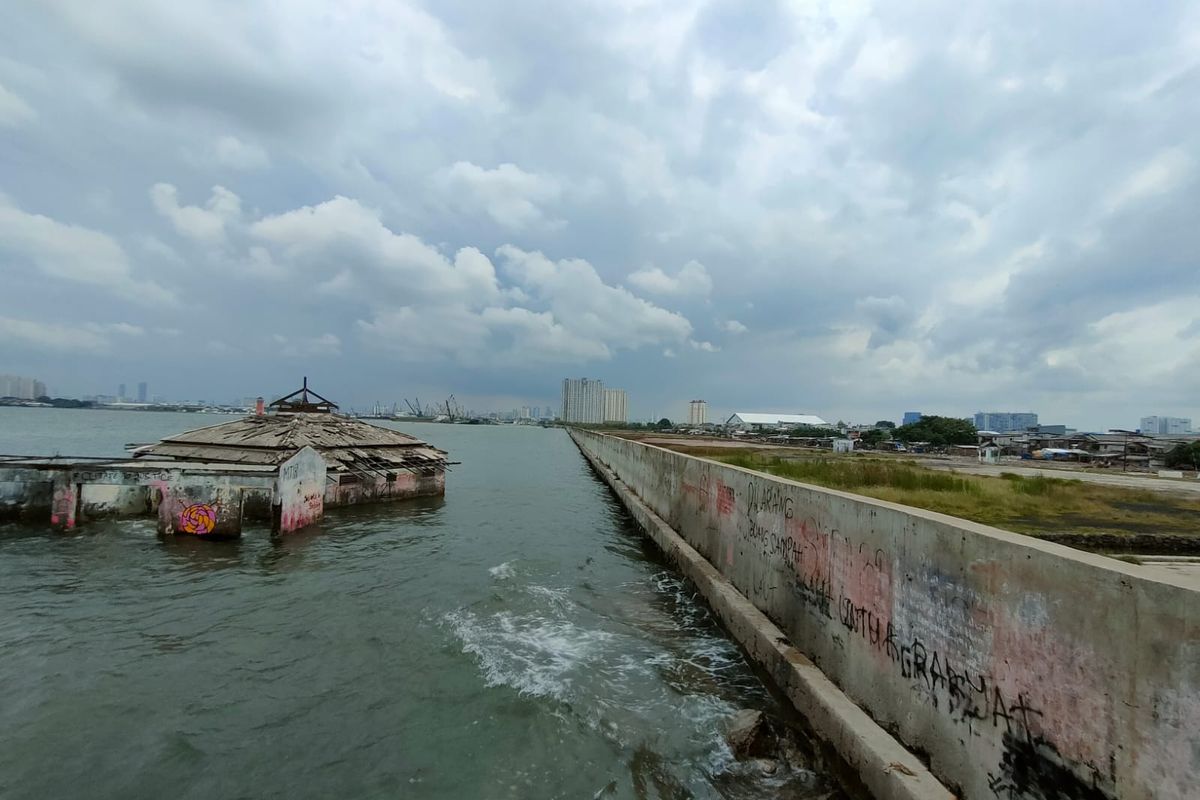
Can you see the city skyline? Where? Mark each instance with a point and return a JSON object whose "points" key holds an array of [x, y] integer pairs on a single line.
{"points": [[677, 411]]}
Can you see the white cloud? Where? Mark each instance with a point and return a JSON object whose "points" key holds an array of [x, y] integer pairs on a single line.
{"points": [[692, 279], [512, 197], [707, 347], [208, 224], [342, 233], [1163, 172], [733, 326], [123, 328], [581, 300], [76, 254], [232, 152], [13, 110], [537, 337]]}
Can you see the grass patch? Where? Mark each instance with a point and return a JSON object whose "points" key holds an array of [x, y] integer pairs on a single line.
{"points": [[1041, 506]]}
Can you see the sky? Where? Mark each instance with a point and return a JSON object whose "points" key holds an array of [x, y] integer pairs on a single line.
{"points": [[842, 208]]}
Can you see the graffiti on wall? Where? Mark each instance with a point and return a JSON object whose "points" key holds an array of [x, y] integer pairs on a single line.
{"points": [[198, 518], [847, 585]]}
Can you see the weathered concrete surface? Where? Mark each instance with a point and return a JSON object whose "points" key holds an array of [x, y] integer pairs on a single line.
{"points": [[209, 507], [301, 490], [350, 489], [1022, 669], [874, 756]]}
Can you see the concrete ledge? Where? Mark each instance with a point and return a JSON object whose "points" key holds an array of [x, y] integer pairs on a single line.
{"points": [[885, 767]]}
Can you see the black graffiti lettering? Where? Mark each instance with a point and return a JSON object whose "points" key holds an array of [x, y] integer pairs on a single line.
{"points": [[874, 632], [889, 644], [1022, 709], [920, 661], [935, 671], [1000, 710]]}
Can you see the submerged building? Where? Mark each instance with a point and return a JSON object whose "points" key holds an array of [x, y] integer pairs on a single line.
{"points": [[285, 466], [363, 462]]}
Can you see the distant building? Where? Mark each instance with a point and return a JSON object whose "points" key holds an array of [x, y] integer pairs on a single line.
{"points": [[1053, 430], [582, 400], [616, 406], [143, 392], [697, 413], [1005, 421], [121, 393], [911, 417], [1165, 425], [21, 387], [748, 421]]}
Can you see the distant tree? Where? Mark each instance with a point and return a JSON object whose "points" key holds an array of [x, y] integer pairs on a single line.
{"points": [[938, 431], [664, 423], [64, 402], [885, 424], [1184, 455], [807, 432], [873, 438]]}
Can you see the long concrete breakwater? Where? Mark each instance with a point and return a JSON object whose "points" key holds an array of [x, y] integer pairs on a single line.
{"points": [[1016, 668]]}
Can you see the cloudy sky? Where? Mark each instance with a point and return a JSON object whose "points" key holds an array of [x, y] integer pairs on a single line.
{"points": [[829, 207]]}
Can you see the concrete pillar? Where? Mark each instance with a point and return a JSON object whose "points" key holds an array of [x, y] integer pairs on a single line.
{"points": [[299, 491], [64, 501]]}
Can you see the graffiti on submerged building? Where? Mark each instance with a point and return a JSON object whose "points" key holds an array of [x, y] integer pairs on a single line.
{"points": [[198, 518]]}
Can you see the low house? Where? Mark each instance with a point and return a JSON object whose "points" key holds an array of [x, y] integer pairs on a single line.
{"points": [[758, 423]]}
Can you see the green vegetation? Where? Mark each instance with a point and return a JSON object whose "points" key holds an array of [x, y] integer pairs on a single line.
{"points": [[873, 437], [1042, 506], [1184, 456], [938, 431], [809, 432]]}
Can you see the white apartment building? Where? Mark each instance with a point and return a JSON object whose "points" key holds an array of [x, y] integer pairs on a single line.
{"points": [[22, 388], [616, 405], [583, 400], [1005, 421], [1165, 425], [697, 413]]}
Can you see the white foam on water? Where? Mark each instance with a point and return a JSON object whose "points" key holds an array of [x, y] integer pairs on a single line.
{"points": [[502, 571], [559, 599], [532, 654]]}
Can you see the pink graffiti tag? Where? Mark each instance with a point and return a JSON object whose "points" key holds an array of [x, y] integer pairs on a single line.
{"points": [[199, 518]]}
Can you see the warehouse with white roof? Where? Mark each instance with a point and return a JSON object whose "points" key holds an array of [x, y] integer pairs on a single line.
{"points": [[748, 421]]}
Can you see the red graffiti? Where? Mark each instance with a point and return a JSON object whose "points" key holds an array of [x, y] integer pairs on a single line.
{"points": [[199, 518], [725, 499]]}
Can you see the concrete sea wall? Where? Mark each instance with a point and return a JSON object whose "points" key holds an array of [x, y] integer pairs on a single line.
{"points": [[1020, 669]]}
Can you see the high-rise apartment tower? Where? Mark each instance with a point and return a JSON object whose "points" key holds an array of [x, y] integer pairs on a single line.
{"points": [[582, 400]]}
